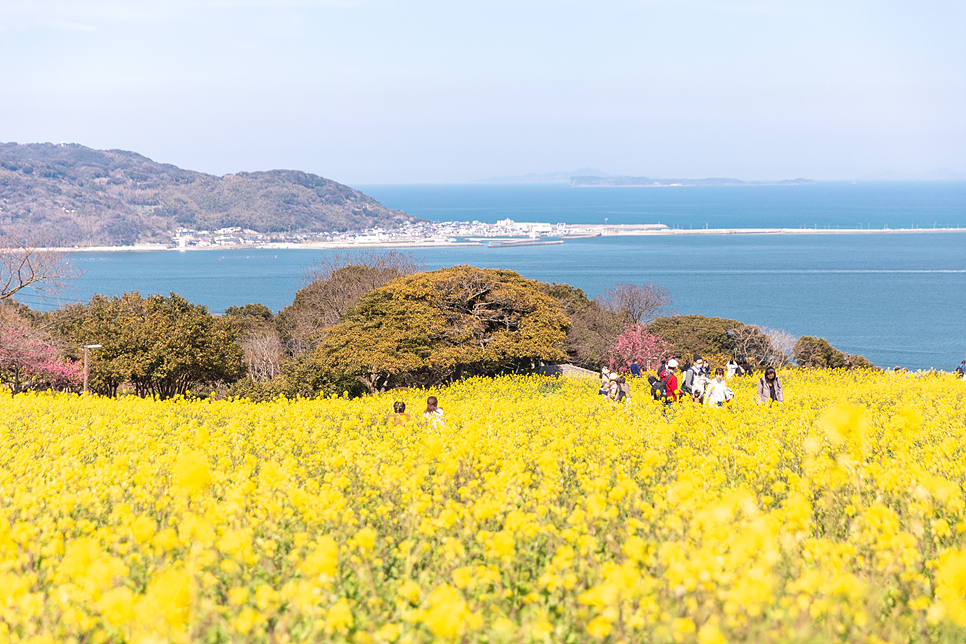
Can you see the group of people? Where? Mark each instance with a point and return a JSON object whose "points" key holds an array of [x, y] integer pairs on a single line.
{"points": [[697, 384], [433, 413], [614, 386]]}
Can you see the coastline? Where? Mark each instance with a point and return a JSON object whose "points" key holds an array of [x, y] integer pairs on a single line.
{"points": [[625, 229], [578, 232], [142, 248]]}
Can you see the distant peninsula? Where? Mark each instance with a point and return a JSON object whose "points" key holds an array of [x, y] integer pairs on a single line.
{"points": [[646, 182], [547, 177], [72, 195]]}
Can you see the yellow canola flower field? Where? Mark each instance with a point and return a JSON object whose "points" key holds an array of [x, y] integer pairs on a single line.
{"points": [[538, 513]]}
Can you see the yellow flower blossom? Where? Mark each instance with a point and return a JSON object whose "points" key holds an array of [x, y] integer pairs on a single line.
{"points": [[365, 538], [536, 514], [339, 617], [191, 471], [324, 560]]}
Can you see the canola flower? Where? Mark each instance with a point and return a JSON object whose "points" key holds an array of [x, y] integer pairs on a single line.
{"points": [[538, 513]]}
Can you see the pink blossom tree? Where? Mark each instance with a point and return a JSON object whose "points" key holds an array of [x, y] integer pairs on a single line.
{"points": [[27, 362], [635, 344]]}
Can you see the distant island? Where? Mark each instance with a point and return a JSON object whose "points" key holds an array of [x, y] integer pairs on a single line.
{"points": [[646, 182], [72, 195], [546, 177]]}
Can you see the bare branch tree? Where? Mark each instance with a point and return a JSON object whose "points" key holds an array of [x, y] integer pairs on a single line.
{"points": [[392, 261], [752, 343], [782, 343], [333, 285], [593, 332], [636, 303], [26, 263], [263, 353]]}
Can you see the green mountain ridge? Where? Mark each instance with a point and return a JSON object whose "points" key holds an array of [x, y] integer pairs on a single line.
{"points": [[69, 194]]}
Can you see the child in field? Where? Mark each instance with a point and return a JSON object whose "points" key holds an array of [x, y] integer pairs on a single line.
{"points": [[399, 415]]}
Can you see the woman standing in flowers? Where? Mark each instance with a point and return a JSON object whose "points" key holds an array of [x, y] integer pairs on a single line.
{"points": [[433, 413], [769, 388], [717, 392]]}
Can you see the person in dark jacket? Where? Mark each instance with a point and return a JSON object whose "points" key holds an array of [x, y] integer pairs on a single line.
{"points": [[744, 368], [769, 388]]}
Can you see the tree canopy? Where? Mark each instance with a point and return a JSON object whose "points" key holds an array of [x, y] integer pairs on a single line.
{"points": [[427, 328], [696, 334], [334, 285], [159, 344], [596, 324], [28, 359], [635, 344], [635, 303], [817, 352]]}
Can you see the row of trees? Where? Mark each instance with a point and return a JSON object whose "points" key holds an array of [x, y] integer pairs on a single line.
{"points": [[159, 345], [365, 322]]}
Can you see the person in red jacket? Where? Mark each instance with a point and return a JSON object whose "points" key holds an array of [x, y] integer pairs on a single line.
{"points": [[672, 381]]}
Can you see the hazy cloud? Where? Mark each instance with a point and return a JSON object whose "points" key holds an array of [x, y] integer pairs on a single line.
{"points": [[80, 14], [436, 90]]}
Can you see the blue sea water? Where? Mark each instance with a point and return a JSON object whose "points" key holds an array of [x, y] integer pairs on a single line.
{"points": [[827, 204], [899, 299]]}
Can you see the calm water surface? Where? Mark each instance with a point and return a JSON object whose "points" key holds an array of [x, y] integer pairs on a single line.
{"points": [[900, 299]]}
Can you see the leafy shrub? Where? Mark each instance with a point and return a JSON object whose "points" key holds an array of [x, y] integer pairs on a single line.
{"points": [[817, 353], [695, 334]]}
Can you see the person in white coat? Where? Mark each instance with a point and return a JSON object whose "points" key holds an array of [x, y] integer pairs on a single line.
{"points": [[717, 391], [433, 413]]}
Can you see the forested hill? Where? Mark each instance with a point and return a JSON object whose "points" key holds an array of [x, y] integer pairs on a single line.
{"points": [[74, 195]]}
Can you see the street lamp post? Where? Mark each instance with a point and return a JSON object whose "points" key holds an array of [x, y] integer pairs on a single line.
{"points": [[87, 348]]}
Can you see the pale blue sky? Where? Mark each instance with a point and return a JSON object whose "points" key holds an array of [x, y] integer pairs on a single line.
{"points": [[378, 91]]}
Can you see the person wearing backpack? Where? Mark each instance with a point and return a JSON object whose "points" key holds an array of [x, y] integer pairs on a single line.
{"points": [[657, 388], [671, 381], [658, 384]]}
